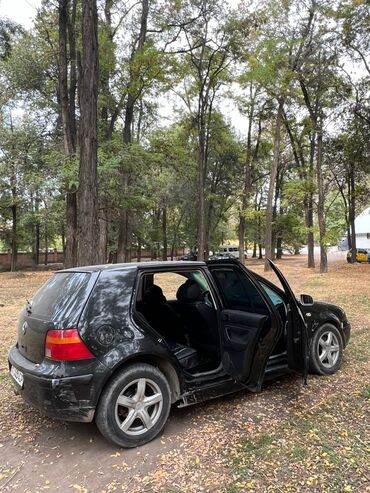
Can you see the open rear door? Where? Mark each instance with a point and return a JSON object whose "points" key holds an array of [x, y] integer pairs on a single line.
{"points": [[297, 333], [249, 323]]}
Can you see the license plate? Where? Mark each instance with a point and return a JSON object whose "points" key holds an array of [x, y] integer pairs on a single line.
{"points": [[17, 375]]}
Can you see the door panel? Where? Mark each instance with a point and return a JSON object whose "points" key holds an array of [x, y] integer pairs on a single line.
{"points": [[241, 327], [249, 325], [241, 333], [297, 333]]}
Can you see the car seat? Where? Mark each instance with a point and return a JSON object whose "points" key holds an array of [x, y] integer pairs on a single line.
{"points": [[199, 317], [161, 315]]}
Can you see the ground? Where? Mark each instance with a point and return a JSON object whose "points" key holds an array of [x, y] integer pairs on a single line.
{"points": [[288, 438]]}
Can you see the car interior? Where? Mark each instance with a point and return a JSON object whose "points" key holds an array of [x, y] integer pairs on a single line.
{"points": [[180, 308]]}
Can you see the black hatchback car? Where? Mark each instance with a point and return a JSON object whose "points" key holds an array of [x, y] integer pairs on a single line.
{"points": [[121, 343]]}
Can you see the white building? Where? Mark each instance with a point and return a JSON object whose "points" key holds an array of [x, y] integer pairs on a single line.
{"points": [[362, 228]]}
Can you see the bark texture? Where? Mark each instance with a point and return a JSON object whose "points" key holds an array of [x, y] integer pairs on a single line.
{"points": [[67, 95], [88, 248]]}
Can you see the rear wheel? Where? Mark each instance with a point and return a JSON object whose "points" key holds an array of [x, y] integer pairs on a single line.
{"points": [[134, 407], [326, 350]]}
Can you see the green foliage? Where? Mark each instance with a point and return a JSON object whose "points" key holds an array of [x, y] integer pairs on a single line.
{"points": [[195, 55]]}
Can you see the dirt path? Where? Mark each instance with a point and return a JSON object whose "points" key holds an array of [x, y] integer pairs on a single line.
{"points": [[287, 438]]}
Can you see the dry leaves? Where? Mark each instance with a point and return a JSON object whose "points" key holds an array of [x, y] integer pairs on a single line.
{"points": [[289, 438]]}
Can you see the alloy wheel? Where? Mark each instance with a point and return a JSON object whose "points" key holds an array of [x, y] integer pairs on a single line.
{"points": [[139, 406], [328, 349]]}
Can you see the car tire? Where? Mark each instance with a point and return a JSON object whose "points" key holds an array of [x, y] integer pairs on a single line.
{"points": [[134, 406], [326, 350]]}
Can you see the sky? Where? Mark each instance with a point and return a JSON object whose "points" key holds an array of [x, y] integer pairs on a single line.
{"points": [[24, 11], [21, 11]]}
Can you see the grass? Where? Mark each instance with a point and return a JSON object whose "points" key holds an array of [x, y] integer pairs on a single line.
{"points": [[288, 438]]}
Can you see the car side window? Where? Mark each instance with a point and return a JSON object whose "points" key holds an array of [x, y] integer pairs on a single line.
{"points": [[169, 282], [238, 292]]}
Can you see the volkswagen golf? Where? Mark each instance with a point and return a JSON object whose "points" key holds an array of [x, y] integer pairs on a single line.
{"points": [[119, 344]]}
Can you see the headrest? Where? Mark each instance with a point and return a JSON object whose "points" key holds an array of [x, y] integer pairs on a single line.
{"points": [[189, 292], [153, 295]]}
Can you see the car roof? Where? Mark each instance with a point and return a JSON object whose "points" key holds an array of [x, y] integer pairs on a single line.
{"points": [[135, 265]]}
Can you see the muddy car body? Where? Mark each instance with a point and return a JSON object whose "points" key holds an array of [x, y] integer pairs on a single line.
{"points": [[105, 342]]}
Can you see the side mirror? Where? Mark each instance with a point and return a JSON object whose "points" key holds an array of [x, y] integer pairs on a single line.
{"points": [[306, 300]]}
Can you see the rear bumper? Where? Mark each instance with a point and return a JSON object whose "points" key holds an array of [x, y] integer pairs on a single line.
{"points": [[52, 390]]}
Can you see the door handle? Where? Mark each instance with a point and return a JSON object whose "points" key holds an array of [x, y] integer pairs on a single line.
{"points": [[225, 316]]}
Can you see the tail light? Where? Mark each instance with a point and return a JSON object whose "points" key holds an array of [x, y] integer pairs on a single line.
{"points": [[65, 345]]}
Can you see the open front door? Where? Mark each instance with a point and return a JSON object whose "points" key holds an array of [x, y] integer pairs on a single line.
{"points": [[297, 334], [249, 323]]}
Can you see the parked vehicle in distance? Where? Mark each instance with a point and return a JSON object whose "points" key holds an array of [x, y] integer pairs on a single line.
{"points": [[232, 250], [120, 343], [221, 256], [362, 255], [189, 256]]}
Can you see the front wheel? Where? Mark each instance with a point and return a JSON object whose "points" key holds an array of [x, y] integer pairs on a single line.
{"points": [[326, 350], [134, 406]]}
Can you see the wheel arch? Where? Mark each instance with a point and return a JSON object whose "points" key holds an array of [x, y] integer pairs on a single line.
{"points": [[162, 364], [337, 324]]}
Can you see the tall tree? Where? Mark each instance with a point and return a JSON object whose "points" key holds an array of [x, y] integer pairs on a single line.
{"points": [[88, 226], [206, 59], [67, 95], [134, 91]]}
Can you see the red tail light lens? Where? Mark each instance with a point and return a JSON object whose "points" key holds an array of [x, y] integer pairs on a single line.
{"points": [[65, 345]]}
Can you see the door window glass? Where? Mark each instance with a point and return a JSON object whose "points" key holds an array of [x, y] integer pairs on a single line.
{"points": [[238, 291]]}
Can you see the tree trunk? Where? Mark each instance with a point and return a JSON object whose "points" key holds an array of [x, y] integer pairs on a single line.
{"points": [[201, 238], [309, 212], [70, 259], [37, 231], [71, 30], [247, 179], [46, 246], [254, 254], [174, 242], [13, 263], [299, 157], [88, 225], [63, 236], [279, 247], [164, 233], [352, 212], [260, 251], [67, 111], [103, 235], [321, 202], [125, 223], [269, 247], [37, 243]]}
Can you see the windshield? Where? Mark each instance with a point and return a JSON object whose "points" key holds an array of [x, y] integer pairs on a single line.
{"points": [[274, 297]]}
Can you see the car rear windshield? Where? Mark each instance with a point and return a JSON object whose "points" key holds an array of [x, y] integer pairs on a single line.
{"points": [[61, 297]]}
